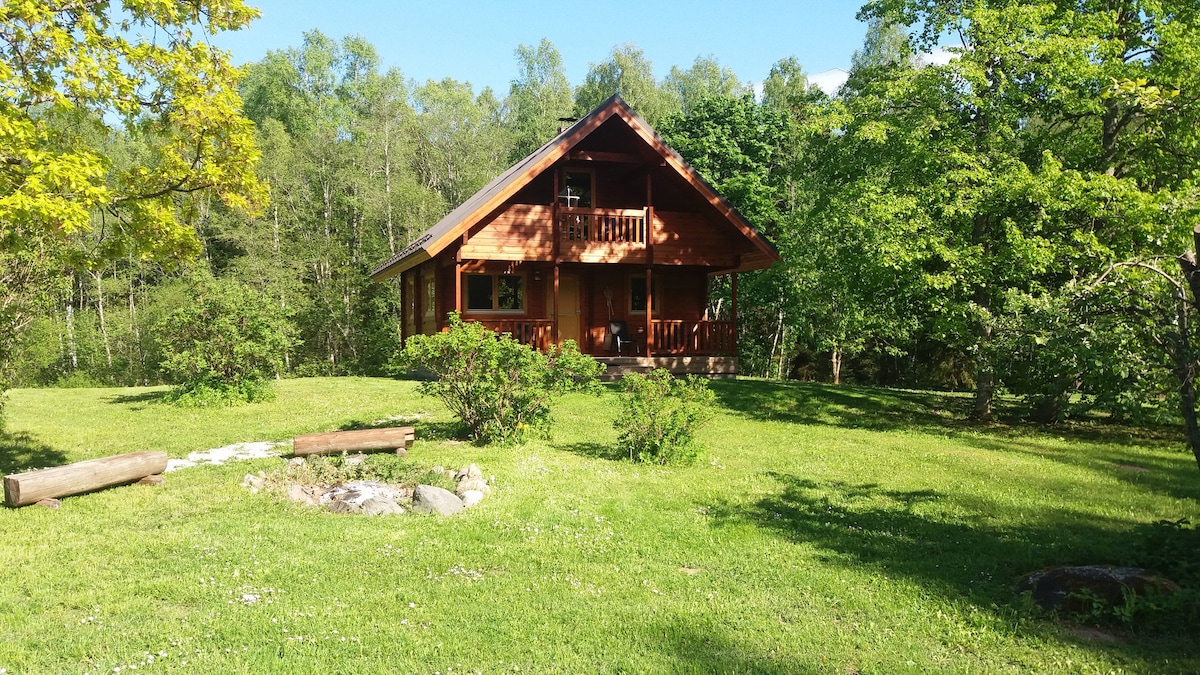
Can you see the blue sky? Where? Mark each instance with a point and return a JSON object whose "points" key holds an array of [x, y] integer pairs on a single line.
{"points": [[473, 40]]}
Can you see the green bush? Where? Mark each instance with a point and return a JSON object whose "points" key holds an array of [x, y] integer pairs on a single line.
{"points": [[224, 344], [661, 415], [499, 388]]}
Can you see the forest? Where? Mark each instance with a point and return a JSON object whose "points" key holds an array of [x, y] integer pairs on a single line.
{"points": [[1017, 221]]}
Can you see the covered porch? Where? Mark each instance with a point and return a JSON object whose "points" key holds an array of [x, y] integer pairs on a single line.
{"points": [[611, 312]]}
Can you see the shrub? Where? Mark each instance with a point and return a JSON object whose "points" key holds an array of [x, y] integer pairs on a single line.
{"points": [[499, 388], [224, 344], [661, 415]]}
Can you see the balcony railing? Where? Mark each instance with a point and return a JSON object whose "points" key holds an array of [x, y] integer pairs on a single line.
{"points": [[701, 338], [626, 226], [533, 332]]}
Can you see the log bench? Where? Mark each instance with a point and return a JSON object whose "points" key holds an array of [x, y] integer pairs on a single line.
{"points": [[364, 440], [22, 489]]}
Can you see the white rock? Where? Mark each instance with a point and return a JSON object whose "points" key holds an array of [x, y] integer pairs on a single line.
{"points": [[471, 498]]}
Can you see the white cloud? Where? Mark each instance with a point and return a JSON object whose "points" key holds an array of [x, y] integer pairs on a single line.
{"points": [[939, 57], [829, 81]]}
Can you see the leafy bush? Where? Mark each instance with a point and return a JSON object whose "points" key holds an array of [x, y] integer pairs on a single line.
{"points": [[499, 388], [661, 415], [224, 344]]}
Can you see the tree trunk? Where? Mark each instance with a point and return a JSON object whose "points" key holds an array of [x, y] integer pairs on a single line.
{"points": [[835, 363], [99, 277], [1185, 360]]}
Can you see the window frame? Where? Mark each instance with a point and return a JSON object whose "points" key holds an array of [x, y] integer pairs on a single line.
{"points": [[591, 174], [495, 281], [655, 294]]}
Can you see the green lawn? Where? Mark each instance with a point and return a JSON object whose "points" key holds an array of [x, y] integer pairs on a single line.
{"points": [[826, 529]]}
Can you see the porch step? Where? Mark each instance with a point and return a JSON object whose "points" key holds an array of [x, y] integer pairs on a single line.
{"points": [[620, 366], [710, 366]]}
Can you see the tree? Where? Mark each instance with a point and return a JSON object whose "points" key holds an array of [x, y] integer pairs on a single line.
{"points": [[76, 61], [224, 343], [78, 76], [538, 97], [626, 72], [705, 79]]}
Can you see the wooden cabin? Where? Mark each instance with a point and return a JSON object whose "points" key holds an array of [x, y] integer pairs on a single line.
{"points": [[605, 236]]}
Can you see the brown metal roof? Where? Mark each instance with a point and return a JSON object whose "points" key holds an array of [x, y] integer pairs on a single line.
{"points": [[503, 187]]}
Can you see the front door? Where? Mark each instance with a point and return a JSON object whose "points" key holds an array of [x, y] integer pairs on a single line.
{"points": [[568, 307]]}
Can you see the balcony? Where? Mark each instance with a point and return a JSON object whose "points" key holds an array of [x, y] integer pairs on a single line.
{"points": [[603, 225]]}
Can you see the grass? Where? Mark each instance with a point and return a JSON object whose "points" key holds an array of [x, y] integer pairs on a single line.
{"points": [[827, 529]]}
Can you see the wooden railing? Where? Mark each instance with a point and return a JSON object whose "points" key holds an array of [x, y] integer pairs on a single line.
{"points": [[694, 337], [533, 332], [626, 226]]}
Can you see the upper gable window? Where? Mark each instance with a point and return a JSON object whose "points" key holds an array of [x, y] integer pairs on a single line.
{"points": [[578, 187]]}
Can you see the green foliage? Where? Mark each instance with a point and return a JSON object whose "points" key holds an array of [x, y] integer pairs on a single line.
{"points": [[223, 344], [499, 388], [538, 97], [661, 414], [139, 64], [626, 72]]}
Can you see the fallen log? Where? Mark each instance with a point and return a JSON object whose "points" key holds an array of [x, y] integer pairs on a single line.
{"points": [[22, 489], [364, 440]]}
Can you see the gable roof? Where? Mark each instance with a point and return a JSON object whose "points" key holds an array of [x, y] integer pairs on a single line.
{"points": [[502, 188]]}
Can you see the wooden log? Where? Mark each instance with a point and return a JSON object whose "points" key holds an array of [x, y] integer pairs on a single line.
{"points": [[365, 440], [30, 487]]}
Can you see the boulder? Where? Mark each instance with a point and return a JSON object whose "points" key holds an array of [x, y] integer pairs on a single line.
{"points": [[431, 499], [339, 506], [1068, 588], [469, 472], [471, 498], [254, 483], [476, 484], [304, 494], [378, 506]]}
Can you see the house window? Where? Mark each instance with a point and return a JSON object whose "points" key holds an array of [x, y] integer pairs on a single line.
{"points": [[495, 292], [430, 303], [637, 295], [577, 189]]}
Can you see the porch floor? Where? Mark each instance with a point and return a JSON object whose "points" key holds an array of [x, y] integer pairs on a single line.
{"points": [[713, 367]]}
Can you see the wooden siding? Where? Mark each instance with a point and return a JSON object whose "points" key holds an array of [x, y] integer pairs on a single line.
{"points": [[517, 232], [691, 239]]}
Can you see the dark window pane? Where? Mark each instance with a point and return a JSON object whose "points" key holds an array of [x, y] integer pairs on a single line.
{"points": [[479, 291], [510, 295], [637, 294], [579, 185]]}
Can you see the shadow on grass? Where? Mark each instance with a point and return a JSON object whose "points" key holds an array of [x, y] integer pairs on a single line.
{"points": [[144, 397], [21, 452], [881, 409], [692, 648], [919, 535], [595, 450]]}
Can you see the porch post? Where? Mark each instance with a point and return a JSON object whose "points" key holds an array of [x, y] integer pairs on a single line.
{"points": [[556, 235], [649, 313], [554, 329], [649, 266], [733, 311]]}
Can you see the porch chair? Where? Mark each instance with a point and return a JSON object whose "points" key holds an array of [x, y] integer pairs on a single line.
{"points": [[619, 332]]}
